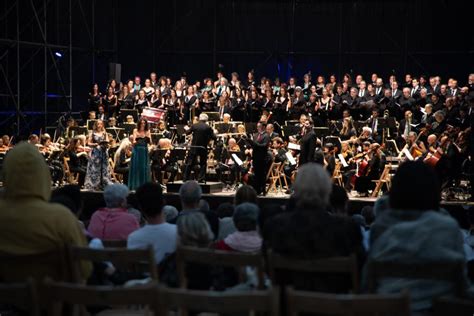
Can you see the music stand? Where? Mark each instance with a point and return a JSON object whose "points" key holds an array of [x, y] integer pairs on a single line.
{"points": [[250, 128], [212, 116], [129, 128], [90, 124], [155, 138], [117, 132], [178, 154], [290, 130], [126, 112], [335, 140], [73, 131], [321, 132]]}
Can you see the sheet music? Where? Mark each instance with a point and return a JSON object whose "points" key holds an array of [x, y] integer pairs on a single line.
{"points": [[290, 157], [294, 146], [408, 154], [237, 160], [342, 160]]}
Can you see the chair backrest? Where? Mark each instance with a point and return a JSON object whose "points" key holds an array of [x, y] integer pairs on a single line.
{"points": [[337, 170], [59, 293], [448, 305], [23, 295], [440, 271], [66, 165], [185, 254], [136, 260], [218, 302], [347, 304], [51, 264], [336, 265], [114, 243]]}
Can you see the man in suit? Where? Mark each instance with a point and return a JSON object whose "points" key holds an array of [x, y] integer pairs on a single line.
{"points": [[362, 90], [307, 143], [396, 93], [434, 87], [406, 101], [260, 145], [202, 134], [379, 90], [415, 90]]}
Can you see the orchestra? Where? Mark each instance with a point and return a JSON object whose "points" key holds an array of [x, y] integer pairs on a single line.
{"points": [[233, 131]]}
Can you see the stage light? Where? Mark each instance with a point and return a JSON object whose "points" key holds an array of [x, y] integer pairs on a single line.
{"points": [[58, 54]]}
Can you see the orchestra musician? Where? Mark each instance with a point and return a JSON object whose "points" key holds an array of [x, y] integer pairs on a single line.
{"points": [[228, 163], [122, 159], [202, 133], [370, 169], [164, 161], [77, 159]]}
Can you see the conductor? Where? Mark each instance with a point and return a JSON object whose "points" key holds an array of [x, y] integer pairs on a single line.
{"points": [[202, 134]]}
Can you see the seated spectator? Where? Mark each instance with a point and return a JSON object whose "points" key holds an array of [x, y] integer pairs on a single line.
{"points": [[413, 230], [194, 230], [113, 222], [245, 193], [339, 201], [246, 238], [190, 194], [309, 231], [225, 211], [29, 223], [170, 213], [157, 233]]}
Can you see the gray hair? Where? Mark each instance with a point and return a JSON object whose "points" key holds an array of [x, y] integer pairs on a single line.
{"points": [[194, 230], [312, 187], [115, 195], [170, 212], [190, 193], [203, 117]]}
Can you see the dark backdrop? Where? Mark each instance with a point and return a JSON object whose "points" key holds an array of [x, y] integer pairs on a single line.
{"points": [[275, 38]]}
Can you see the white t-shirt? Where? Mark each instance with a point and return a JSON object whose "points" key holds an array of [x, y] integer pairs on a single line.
{"points": [[162, 237]]}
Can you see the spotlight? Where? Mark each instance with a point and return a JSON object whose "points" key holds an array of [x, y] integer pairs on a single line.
{"points": [[58, 54]]}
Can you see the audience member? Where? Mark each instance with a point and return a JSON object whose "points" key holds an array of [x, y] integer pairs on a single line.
{"points": [[113, 221], [225, 211], [170, 213], [157, 233], [245, 193], [29, 223]]}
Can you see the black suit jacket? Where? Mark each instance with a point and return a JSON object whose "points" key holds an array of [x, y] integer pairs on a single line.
{"points": [[308, 146], [202, 134]]}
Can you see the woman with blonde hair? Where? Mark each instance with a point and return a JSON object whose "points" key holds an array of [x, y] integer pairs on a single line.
{"points": [[98, 174]]}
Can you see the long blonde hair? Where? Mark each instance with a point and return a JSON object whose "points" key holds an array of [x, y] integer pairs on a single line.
{"points": [[123, 144]]}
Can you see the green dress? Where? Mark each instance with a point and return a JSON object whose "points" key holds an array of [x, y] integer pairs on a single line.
{"points": [[139, 172]]}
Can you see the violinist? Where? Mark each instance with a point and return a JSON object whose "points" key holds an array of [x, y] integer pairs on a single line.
{"points": [[162, 129], [370, 170], [3, 148], [55, 166], [33, 139], [122, 159], [77, 159]]}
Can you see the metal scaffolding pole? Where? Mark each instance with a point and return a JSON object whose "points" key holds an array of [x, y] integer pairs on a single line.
{"points": [[45, 67], [70, 56], [18, 67]]}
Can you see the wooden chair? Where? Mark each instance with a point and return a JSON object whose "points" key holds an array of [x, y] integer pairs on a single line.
{"points": [[274, 176], [347, 304], [21, 295], [134, 260], [385, 178], [218, 302], [114, 243], [185, 254], [71, 177], [78, 296], [440, 271], [337, 265], [336, 175], [52, 264], [112, 171]]}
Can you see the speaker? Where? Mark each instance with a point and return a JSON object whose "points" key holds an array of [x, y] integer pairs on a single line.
{"points": [[115, 71]]}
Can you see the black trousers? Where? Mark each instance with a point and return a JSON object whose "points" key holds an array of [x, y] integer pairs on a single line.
{"points": [[260, 174], [191, 161]]}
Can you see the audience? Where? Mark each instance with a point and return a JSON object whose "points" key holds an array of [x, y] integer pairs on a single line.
{"points": [[308, 231], [225, 211], [170, 213], [113, 222], [246, 238], [29, 223], [414, 230], [157, 232], [245, 193]]}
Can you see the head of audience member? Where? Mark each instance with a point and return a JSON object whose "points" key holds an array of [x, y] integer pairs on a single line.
{"points": [[194, 230], [204, 206], [368, 213], [225, 209], [339, 200], [170, 213], [245, 217], [115, 196], [150, 202], [421, 192], [245, 193], [190, 193], [312, 187]]}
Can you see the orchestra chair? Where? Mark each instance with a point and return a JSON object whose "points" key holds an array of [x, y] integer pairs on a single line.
{"points": [[347, 304], [212, 257], [114, 243], [274, 176], [440, 271], [335, 265], [134, 261], [283, 176], [116, 177], [337, 175], [71, 177], [123, 299], [257, 302], [23, 296], [385, 179]]}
